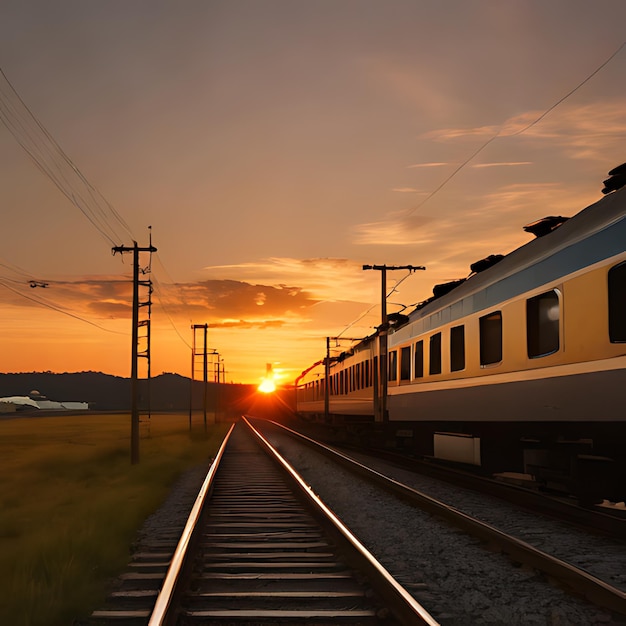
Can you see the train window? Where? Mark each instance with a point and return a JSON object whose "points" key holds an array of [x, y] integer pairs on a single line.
{"points": [[457, 348], [435, 354], [542, 324], [617, 303], [490, 327], [392, 374], [405, 363], [418, 360]]}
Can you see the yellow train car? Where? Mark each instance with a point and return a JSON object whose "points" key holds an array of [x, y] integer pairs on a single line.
{"points": [[520, 367]]}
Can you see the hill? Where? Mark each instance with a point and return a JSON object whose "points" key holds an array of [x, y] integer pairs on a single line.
{"points": [[104, 392]]}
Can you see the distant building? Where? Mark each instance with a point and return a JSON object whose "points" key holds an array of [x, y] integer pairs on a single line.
{"points": [[36, 401]]}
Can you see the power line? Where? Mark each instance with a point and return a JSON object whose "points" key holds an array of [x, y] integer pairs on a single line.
{"points": [[567, 95], [157, 292], [358, 319], [51, 160], [53, 307], [519, 132]]}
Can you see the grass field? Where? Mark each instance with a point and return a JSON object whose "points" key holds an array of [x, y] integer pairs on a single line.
{"points": [[71, 503]]}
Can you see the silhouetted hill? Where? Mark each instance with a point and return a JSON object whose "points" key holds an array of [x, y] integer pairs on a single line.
{"points": [[104, 392]]}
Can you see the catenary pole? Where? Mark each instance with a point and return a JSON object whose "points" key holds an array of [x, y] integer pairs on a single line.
{"points": [[380, 410], [134, 382]]}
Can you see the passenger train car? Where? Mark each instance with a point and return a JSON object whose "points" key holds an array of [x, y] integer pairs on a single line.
{"points": [[520, 368]]}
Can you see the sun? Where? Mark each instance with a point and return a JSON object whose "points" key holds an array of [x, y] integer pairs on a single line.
{"points": [[267, 386]]}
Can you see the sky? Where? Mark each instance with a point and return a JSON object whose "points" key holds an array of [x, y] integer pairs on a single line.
{"points": [[270, 148]]}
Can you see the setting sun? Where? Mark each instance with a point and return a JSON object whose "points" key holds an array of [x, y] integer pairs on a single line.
{"points": [[267, 386]]}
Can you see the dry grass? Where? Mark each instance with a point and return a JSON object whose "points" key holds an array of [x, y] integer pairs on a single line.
{"points": [[71, 503]]}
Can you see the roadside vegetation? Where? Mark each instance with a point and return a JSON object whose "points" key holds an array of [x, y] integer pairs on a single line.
{"points": [[71, 504]]}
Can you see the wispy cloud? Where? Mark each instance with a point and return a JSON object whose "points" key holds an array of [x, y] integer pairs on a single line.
{"points": [[397, 230], [321, 278], [420, 165], [583, 130], [502, 164]]}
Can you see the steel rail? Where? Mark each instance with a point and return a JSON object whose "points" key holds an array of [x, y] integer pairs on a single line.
{"points": [[163, 602], [405, 607], [597, 520], [595, 590]]}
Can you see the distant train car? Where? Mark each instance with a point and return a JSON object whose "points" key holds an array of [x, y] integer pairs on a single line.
{"points": [[519, 368]]}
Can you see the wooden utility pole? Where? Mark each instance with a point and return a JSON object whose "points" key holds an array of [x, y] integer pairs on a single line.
{"points": [[380, 410], [134, 382], [194, 352], [327, 383]]}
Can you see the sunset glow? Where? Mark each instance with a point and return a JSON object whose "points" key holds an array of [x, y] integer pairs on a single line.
{"points": [[274, 149], [267, 386]]}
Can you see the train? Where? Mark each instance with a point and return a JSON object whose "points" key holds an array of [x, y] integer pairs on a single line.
{"points": [[517, 371]]}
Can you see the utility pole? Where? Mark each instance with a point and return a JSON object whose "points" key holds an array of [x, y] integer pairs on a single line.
{"points": [[327, 383], [205, 369], [216, 378], [134, 383], [380, 410]]}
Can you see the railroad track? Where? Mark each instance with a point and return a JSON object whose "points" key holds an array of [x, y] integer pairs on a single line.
{"points": [[573, 578], [611, 522], [260, 548]]}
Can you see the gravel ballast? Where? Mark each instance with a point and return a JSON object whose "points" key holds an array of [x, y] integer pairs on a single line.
{"points": [[465, 583]]}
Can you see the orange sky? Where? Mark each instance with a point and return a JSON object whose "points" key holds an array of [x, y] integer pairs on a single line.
{"points": [[275, 147]]}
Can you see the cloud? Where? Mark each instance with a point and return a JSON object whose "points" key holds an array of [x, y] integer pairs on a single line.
{"points": [[230, 299], [248, 325], [469, 211], [455, 236], [451, 134], [406, 190], [101, 296], [420, 165], [502, 164], [583, 131], [397, 230], [219, 301], [322, 278]]}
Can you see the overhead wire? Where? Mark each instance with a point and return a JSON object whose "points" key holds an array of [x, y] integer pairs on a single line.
{"points": [[158, 291], [24, 276], [360, 317], [51, 160], [476, 152], [519, 132], [58, 309]]}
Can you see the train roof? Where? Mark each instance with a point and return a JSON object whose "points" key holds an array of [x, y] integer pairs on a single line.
{"points": [[561, 247], [594, 234]]}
